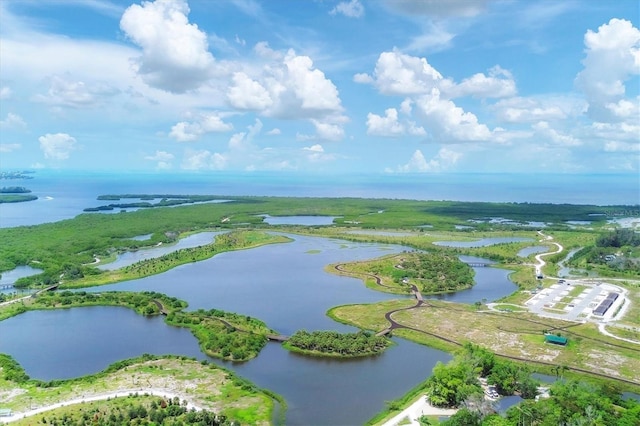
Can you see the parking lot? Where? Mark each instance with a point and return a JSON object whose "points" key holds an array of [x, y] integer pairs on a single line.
{"points": [[562, 300]]}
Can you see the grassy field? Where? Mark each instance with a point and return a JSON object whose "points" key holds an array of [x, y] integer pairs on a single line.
{"points": [[204, 385], [520, 335]]}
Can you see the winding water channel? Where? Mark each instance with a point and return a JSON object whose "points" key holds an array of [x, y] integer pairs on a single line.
{"points": [[284, 285]]}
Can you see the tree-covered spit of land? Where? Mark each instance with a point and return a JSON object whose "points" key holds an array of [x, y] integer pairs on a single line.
{"points": [[166, 200], [436, 271], [14, 190], [15, 194], [220, 334], [333, 343], [16, 198], [223, 334]]}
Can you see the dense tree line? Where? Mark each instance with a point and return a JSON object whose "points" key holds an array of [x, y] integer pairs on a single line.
{"points": [[11, 370], [453, 383], [436, 271], [159, 411], [224, 335], [14, 190], [361, 343], [619, 238], [456, 384], [145, 302], [604, 259], [571, 403]]}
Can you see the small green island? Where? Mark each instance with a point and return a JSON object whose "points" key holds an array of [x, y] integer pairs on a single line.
{"points": [[334, 344], [15, 194], [146, 201]]}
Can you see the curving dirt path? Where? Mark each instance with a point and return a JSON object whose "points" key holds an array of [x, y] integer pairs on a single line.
{"points": [[539, 262], [118, 394], [420, 303]]}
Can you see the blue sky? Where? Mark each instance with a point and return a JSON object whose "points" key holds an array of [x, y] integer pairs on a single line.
{"points": [[330, 86]]}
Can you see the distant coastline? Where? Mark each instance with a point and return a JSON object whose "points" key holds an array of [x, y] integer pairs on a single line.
{"points": [[25, 174], [16, 198], [16, 194], [72, 190]]}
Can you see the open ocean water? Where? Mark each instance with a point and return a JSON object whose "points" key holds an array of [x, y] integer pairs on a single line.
{"points": [[63, 194]]}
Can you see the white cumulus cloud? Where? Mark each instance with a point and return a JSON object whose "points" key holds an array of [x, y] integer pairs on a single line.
{"points": [[57, 146], [75, 94], [187, 131], [389, 125], [203, 160], [175, 55], [162, 158], [444, 159], [612, 57], [288, 86], [397, 73], [245, 93], [447, 122], [316, 153], [351, 9], [5, 92], [498, 84], [544, 130], [13, 121]]}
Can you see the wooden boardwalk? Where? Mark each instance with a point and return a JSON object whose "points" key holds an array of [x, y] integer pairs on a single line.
{"points": [[277, 337]]}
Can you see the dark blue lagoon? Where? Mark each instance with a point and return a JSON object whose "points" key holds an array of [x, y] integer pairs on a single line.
{"points": [[285, 285]]}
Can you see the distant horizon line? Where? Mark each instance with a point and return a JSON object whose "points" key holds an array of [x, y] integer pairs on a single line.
{"points": [[303, 172]]}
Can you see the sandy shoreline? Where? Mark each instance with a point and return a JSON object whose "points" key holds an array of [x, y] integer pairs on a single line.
{"points": [[421, 407]]}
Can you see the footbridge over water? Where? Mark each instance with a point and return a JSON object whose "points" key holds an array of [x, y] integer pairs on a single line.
{"points": [[277, 337]]}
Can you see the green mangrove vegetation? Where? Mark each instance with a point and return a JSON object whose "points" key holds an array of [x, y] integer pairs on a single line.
{"points": [[146, 201], [435, 271], [224, 335], [14, 190], [332, 343], [16, 198], [15, 194]]}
